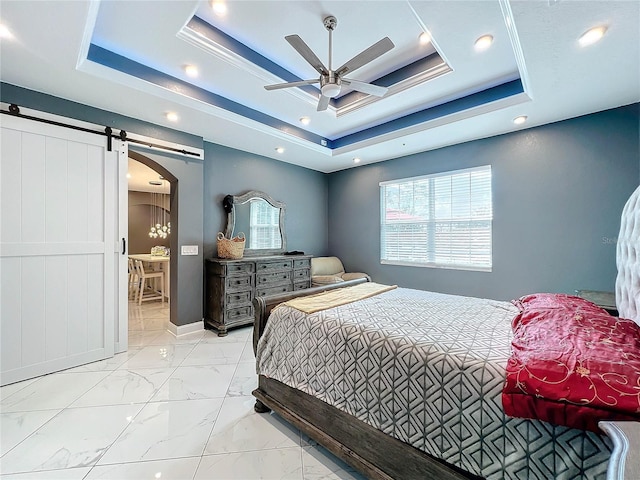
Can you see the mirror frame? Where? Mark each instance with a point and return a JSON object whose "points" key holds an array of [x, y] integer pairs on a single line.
{"points": [[229, 203]]}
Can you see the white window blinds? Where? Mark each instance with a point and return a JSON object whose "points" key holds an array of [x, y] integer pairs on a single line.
{"points": [[264, 226], [442, 220]]}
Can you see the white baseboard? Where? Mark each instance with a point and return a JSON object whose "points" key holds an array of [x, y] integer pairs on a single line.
{"points": [[181, 330]]}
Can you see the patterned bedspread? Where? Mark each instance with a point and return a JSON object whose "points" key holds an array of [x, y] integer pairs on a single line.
{"points": [[428, 369]]}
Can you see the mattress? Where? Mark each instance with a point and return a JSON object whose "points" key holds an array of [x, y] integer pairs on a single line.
{"points": [[427, 369]]}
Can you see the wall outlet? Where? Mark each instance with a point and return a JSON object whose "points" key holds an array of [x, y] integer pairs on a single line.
{"points": [[189, 250]]}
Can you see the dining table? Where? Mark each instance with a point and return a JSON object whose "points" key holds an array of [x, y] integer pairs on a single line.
{"points": [[156, 262]]}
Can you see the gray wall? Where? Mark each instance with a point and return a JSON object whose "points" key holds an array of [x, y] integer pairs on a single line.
{"points": [[558, 191], [233, 172], [66, 108]]}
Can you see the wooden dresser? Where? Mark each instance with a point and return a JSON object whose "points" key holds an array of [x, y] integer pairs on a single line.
{"points": [[231, 286]]}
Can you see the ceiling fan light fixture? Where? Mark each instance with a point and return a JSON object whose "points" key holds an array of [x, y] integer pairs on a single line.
{"points": [[330, 90]]}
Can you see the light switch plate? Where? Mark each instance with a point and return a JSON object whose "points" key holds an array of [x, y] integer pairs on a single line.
{"points": [[189, 250]]}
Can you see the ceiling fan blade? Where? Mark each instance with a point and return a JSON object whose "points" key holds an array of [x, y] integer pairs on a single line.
{"points": [[365, 87], [277, 86], [303, 49], [323, 103], [366, 56]]}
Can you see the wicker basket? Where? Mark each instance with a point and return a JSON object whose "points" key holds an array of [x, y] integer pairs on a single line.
{"points": [[232, 248]]}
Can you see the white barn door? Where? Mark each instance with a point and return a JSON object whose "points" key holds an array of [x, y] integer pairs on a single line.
{"points": [[59, 251]]}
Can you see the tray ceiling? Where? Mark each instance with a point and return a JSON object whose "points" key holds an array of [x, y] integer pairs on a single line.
{"points": [[130, 57]]}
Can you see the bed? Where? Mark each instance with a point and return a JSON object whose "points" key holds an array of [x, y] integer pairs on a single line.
{"points": [[401, 394]]}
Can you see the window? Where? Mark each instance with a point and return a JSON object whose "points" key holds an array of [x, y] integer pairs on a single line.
{"points": [[442, 220], [264, 226]]}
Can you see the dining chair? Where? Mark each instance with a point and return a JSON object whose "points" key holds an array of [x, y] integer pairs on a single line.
{"points": [[133, 280], [146, 288]]}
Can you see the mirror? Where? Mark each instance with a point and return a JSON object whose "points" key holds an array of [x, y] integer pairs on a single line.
{"points": [[260, 218]]}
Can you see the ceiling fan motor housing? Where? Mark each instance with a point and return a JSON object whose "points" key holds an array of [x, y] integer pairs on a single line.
{"points": [[330, 22]]}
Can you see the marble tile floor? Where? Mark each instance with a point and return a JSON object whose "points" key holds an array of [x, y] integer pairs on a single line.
{"points": [[169, 408]]}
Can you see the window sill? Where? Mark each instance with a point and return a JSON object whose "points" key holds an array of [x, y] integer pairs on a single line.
{"points": [[433, 265]]}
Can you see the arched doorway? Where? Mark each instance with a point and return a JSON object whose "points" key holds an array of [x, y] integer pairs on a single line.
{"points": [[142, 202]]}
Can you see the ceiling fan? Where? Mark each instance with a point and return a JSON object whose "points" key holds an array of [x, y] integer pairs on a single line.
{"points": [[331, 80]]}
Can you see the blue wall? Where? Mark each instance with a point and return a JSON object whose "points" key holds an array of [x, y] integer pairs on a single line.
{"points": [[58, 106], [558, 191], [201, 187], [233, 172]]}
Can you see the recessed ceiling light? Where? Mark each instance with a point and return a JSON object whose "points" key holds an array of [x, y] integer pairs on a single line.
{"points": [[279, 149], [5, 32], [520, 120], [128, 175], [219, 8], [483, 42], [172, 116], [592, 36], [424, 38], [356, 160], [191, 70], [305, 120]]}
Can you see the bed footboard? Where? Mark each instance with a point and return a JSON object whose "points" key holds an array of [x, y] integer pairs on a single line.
{"points": [[377, 455], [262, 306]]}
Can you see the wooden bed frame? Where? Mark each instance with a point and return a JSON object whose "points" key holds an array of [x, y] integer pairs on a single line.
{"points": [[380, 456], [372, 452]]}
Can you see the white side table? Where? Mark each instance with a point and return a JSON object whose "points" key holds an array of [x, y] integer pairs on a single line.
{"points": [[624, 463]]}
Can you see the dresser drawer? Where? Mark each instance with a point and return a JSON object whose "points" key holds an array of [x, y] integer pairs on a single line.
{"points": [[302, 263], [239, 268], [300, 274], [237, 284], [238, 298], [272, 278], [233, 314], [264, 291], [274, 265], [302, 285]]}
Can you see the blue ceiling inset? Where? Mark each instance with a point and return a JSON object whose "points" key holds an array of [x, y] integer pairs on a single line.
{"points": [[127, 66]]}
